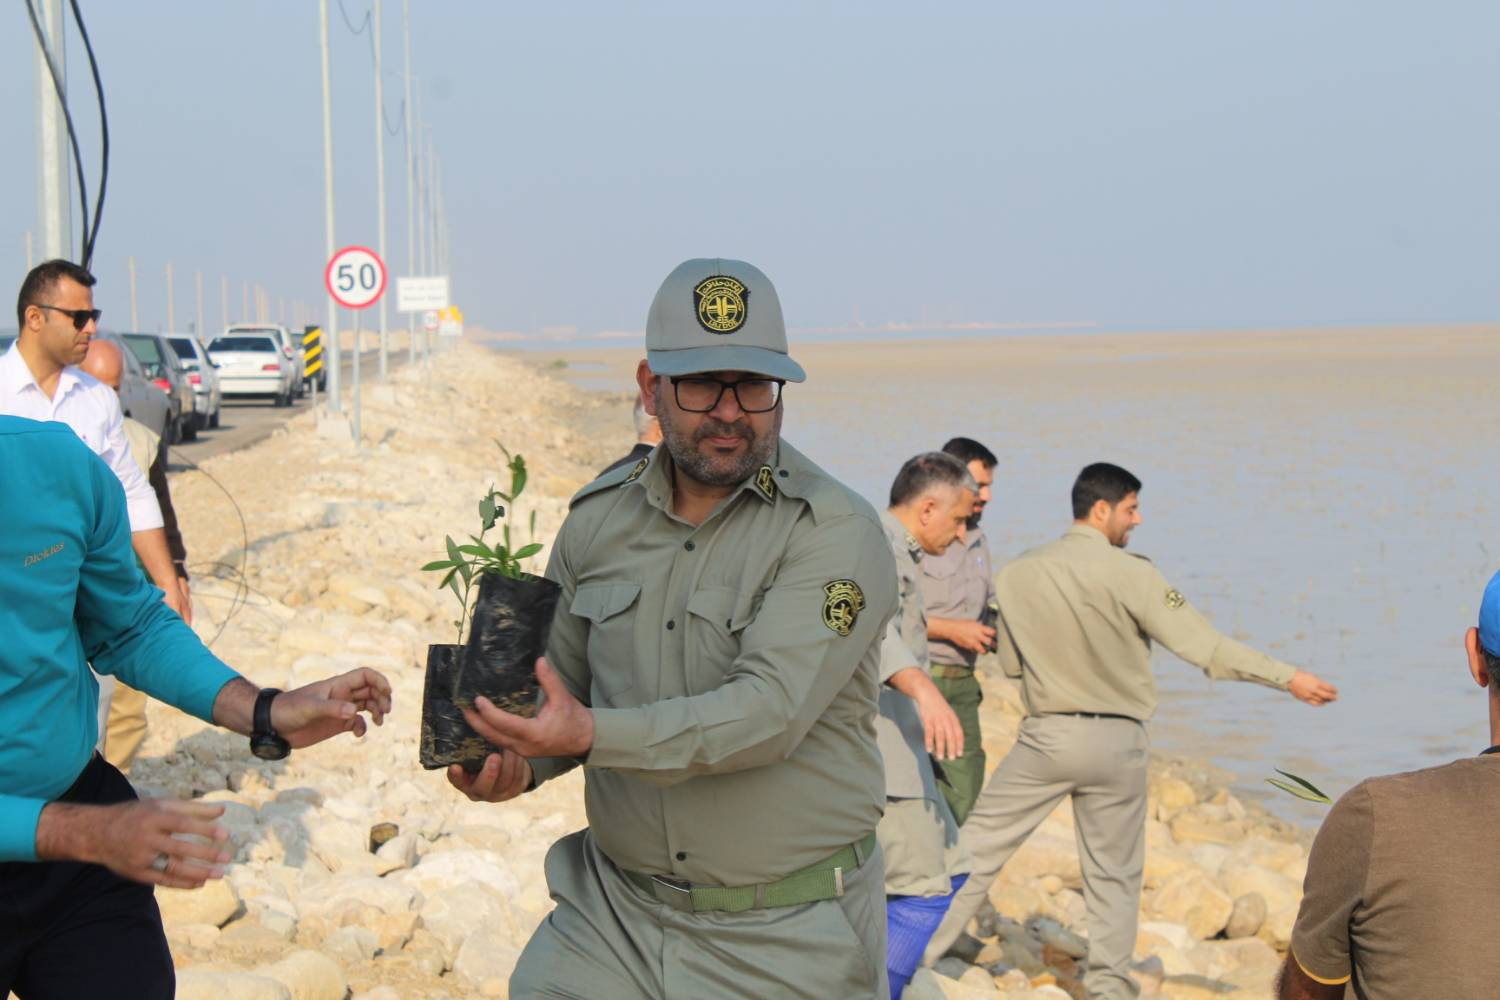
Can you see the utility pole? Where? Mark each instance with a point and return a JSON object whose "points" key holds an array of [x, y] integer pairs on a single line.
{"points": [[54, 202], [135, 319], [380, 168], [411, 264], [198, 281], [224, 298], [171, 305], [335, 376], [431, 210], [29, 263], [245, 316], [416, 141]]}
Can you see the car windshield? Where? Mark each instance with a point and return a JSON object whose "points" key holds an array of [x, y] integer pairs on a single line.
{"points": [[146, 348], [184, 348], [261, 344]]}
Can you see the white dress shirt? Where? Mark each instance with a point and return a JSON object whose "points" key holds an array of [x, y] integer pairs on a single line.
{"points": [[92, 410]]}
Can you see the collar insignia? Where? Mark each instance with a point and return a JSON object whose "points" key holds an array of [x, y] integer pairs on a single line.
{"points": [[766, 482], [635, 473]]}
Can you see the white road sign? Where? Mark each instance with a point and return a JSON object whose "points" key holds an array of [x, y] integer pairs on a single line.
{"points": [[414, 295], [430, 320], [355, 277]]}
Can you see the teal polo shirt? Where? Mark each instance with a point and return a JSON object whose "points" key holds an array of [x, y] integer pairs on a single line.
{"points": [[71, 595]]}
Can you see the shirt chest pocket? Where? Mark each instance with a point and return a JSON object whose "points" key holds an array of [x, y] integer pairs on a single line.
{"points": [[612, 654], [717, 619]]}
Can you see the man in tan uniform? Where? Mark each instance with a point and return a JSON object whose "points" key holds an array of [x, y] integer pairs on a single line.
{"points": [[960, 591], [713, 667], [930, 502], [1402, 877], [1077, 617]]}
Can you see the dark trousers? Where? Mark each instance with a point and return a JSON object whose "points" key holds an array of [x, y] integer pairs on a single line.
{"points": [[70, 930]]}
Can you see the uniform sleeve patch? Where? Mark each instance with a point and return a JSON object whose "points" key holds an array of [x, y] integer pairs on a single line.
{"points": [[1175, 599], [842, 603]]}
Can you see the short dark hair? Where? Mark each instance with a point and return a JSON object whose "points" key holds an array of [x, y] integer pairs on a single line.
{"points": [[42, 279], [1101, 481], [1491, 667], [922, 472], [968, 450]]}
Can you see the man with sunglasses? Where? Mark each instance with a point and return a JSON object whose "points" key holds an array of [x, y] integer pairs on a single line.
{"points": [[714, 667], [39, 379]]}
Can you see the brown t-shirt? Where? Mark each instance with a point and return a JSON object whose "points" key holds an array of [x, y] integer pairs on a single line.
{"points": [[1402, 886]]}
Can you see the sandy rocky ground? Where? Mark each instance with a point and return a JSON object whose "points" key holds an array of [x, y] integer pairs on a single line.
{"points": [[336, 537]]}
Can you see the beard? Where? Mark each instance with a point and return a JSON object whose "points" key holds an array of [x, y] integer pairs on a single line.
{"points": [[717, 470], [972, 521]]}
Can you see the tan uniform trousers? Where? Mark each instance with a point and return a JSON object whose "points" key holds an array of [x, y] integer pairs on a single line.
{"points": [[1101, 764], [125, 728], [608, 939]]}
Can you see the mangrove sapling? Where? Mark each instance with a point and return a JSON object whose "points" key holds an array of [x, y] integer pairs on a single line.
{"points": [[508, 613]]}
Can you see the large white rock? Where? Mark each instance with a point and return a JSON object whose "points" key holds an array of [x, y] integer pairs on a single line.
{"points": [[486, 956], [436, 872], [1194, 901], [308, 975], [194, 984], [216, 903], [452, 914]]}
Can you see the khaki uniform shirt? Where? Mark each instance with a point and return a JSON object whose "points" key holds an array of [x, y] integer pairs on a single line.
{"points": [[1399, 883], [959, 585], [1077, 618], [903, 746], [731, 668]]}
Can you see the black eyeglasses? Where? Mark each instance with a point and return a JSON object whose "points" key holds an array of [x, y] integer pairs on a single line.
{"points": [[700, 395], [80, 317]]}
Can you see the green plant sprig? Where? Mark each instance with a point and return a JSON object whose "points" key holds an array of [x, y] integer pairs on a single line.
{"points": [[467, 563], [1303, 788]]}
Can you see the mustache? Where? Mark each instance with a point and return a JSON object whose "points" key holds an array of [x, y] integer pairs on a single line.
{"points": [[717, 428]]}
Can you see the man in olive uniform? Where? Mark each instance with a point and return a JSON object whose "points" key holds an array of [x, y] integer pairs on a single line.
{"points": [[1077, 617], [930, 502], [713, 666], [960, 593]]}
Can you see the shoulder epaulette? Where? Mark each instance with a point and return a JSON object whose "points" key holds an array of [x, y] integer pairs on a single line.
{"points": [[614, 477]]}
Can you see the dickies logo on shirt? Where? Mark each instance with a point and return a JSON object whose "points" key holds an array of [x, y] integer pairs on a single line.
{"points": [[37, 557]]}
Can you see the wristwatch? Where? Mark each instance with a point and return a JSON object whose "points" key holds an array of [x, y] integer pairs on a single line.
{"points": [[264, 742]]}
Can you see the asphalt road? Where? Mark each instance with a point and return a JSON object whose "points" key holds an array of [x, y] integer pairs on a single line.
{"points": [[243, 422]]}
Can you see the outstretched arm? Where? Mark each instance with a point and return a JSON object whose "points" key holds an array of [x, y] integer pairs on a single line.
{"points": [[1294, 984]]}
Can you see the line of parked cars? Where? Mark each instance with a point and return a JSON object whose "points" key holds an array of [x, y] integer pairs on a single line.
{"points": [[176, 385]]}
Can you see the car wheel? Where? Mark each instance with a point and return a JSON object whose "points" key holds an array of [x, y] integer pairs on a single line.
{"points": [[213, 420], [189, 430]]}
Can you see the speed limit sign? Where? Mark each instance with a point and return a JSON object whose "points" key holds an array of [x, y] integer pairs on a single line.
{"points": [[355, 277]]}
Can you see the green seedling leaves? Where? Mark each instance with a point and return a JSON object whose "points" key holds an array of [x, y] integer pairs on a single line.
{"points": [[1303, 789]]}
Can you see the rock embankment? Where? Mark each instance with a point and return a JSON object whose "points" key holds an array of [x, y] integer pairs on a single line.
{"points": [[326, 578]]}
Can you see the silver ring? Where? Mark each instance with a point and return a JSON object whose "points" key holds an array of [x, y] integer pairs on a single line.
{"points": [[160, 863]]}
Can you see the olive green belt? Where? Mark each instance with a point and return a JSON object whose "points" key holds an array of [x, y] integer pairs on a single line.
{"points": [[823, 880], [951, 672]]}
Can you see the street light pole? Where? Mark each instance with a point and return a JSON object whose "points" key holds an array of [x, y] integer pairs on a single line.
{"points": [[171, 304], [53, 195], [135, 321], [380, 169], [332, 340], [411, 332]]}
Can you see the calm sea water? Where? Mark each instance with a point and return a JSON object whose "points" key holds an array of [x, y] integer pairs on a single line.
{"points": [[1335, 510]]}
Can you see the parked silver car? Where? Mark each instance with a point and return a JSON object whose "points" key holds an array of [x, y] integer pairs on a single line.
{"points": [[291, 346], [253, 365], [138, 397], [203, 376], [167, 372]]}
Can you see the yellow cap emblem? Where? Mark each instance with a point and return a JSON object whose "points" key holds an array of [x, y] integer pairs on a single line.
{"points": [[722, 304], [1175, 599], [842, 605]]}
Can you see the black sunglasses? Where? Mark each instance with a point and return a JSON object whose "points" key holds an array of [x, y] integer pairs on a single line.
{"points": [[80, 317]]}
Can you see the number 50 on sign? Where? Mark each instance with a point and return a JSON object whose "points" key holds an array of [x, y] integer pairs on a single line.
{"points": [[355, 277]]}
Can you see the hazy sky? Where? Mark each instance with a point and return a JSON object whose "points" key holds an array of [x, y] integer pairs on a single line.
{"points": [[1129, 164]]}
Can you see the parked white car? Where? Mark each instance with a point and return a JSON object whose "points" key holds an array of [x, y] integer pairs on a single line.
{"points": [[253, 365], [203, 376], [291, 346]]}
